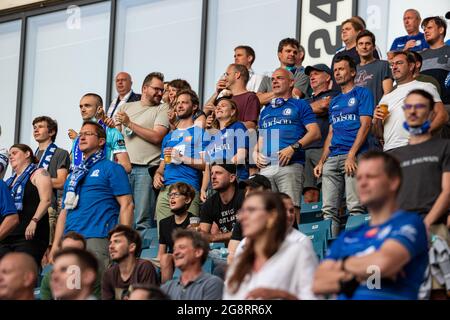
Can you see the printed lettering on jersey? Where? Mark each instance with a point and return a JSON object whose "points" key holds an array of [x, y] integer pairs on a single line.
{"points": [[408, 231], [384, 232], [344, 117]]}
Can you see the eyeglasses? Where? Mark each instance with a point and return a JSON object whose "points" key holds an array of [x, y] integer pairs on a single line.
{"points": [[407, 106], [87, 134], [157, 89], [175, 195]]}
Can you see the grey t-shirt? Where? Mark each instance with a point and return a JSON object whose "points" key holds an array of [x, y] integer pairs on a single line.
{"points": [[371, 76], [205, 287], [60, 160], [436, 63], [300, 78]]}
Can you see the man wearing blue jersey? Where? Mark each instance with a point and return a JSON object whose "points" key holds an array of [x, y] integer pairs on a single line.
{"points": [[385, 259], [91, 106], [287, 125], [182, 158], [350, 116]]}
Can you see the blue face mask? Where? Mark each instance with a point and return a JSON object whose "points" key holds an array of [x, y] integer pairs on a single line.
{"points": [[417, 131]]}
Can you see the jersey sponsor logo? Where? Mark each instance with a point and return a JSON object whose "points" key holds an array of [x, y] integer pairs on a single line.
{"points": [[384, 232], [287, 112], [343, 117], [188, 139], [352, 101], [275, 121], [371, 233], [95, 173], [408, 231], [121, 143]]}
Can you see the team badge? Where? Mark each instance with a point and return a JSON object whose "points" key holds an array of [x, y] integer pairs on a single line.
{"points": [[351, 102], [287, 112]]}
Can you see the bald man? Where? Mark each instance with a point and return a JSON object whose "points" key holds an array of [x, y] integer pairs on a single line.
{"points": [[287, 125], [125, 93], [18, 276]]}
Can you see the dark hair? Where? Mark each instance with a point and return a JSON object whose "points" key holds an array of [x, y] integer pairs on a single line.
{"points": [[194, 97], [184, 189], [101, 133], [350, 61], [284, 196], [98, 99], [198, 241], [424, 94], [242, 71], [24, 148], [276, 233], [391, 164], [355, 24], [366, 33], [249, 51], [74, 236], [409, 56], [417, 57], [52, 125], [440, 22], [229, 167], [153, 292], [360, 20], [179, 84], [288, 42], [131, 235], [150, 76], [86, 260]]}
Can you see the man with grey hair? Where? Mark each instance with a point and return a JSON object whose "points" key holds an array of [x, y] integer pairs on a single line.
{"points": [[18, 276], [4, 159], [125, 93], [414, 40]]}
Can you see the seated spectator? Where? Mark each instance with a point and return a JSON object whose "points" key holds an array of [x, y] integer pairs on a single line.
{"points": [[31, 188], [254, 183], [246, 56], [288, 49], [18, 276], [70, 240], [425, 161], [190, 253], [223, 206], [268, 261], [125, 94], [147, 292], [180, 196], [124, 248], [420, 76], [414, 40], [393, 244], [4, 159], [390, 125], [75, 260]]}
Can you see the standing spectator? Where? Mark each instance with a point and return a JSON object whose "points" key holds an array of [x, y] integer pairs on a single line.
{"points": [[181, 196], [320, 82], [390, 126], [394, 241], [124, 249], [235, 80], [425, 161], [125, 94], [181, 157], [222, 207], [18, 276], [436, 60], [350, 119], [269, 260], [53, 159], [87, 267], [371, 73], [245, 55], [91, 109], [190, 253], [3, 159], [31, 189], [230, 142], [288, 49], [9, 219], [414, 40], [287, 125], [145, 123], [97, 196]]}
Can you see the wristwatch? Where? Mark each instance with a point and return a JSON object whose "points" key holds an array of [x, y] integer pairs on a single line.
{"points": [[296, 146]]}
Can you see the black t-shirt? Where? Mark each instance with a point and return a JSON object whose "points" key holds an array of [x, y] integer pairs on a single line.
{"points": [[422, 166], [236, 234], [167, 226], [224, 215]]}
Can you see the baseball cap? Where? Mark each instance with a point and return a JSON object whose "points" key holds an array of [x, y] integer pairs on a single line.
{"points": [[256, 181], [318, 67], [231, 168]]}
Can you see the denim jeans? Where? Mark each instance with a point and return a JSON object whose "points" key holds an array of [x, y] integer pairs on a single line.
{"points": [[144, 198], [334, 183]]}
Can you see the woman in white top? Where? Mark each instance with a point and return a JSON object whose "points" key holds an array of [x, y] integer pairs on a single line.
{"points": [[271, 266]]}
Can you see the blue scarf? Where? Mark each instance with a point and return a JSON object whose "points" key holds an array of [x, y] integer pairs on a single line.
{"points": [[77, 153], [46, 156], [77, 176], [18, 188]]}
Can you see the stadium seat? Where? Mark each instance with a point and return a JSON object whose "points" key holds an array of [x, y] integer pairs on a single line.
{"points": [[216, 245], [149, 238], [311, 212], [354, 222], [319, 244], [322, 227], [149, 253]]}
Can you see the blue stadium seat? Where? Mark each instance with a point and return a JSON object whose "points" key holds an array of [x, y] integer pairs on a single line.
{"points": [[311, 212], [322, 227], [354, 222], [319, 244], [216, 245], [149, 253]]}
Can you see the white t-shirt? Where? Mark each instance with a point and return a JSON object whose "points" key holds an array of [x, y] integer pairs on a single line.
{"points": [[394, 134], [290, 269], [254, 81]]}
